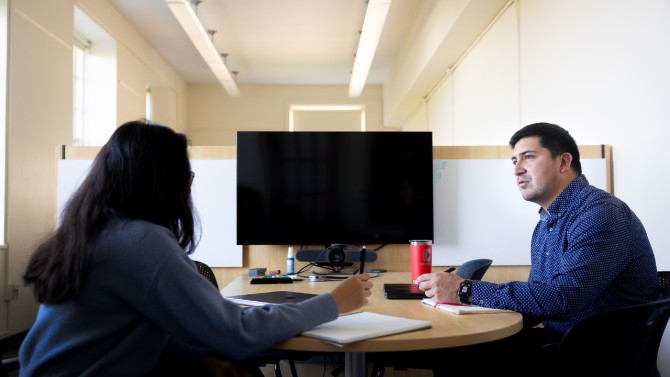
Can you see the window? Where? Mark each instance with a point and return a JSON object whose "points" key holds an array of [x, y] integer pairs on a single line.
{"points": [[149, 101], [80, 49], [3, 115], [94, 82]]}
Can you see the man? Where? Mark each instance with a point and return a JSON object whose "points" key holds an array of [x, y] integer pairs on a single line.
{"points": [[589, 252]]}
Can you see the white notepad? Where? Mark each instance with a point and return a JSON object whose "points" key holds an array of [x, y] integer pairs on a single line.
{"points": [[462, 309], [354, 327]]}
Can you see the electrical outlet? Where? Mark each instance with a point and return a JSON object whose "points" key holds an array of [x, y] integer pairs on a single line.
{"points": [[11, 292]]}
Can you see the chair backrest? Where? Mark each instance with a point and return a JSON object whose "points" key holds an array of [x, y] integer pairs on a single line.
{"points": [[206, 272], [614, 343], [651, 353], [474, 269], [664, 282]]}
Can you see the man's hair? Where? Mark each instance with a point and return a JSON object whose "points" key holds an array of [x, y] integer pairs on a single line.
{"points": [[552, 137]]}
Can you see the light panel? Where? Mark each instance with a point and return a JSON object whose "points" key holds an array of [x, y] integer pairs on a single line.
{"points": [[375, 17], [201, 39]]}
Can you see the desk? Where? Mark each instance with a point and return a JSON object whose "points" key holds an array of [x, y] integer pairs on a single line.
{"points": [[448, 330]]}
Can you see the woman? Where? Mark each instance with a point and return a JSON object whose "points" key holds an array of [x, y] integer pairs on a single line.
{"points": [[114, 281]]}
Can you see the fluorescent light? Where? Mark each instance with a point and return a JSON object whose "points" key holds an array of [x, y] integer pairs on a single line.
{"points": [[375, 16], [202, 41], [327, 107]]}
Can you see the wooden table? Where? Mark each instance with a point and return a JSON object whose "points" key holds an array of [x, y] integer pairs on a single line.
{"points": [[448, 330]]}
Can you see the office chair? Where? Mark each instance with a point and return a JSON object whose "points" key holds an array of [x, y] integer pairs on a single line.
{"points": [[9, 348], [472, 270], [206, 272], [651, 352], [664, 282], [271, 356], [613, 343]]}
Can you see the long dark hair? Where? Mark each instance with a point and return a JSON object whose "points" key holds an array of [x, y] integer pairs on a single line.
{"points": [[142, 172]]}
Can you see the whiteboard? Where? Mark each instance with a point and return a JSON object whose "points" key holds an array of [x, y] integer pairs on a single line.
{"points": [[213, 192], [479, 212]]}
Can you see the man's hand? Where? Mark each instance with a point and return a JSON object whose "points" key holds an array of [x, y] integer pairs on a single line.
{"points": [[440, 286]]}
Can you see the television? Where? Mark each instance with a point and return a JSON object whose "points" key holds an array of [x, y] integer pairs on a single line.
{"points": [[330, 188]]}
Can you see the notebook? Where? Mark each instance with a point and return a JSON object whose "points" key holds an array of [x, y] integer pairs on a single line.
{"points": [[275, 297], [403, 292], [354, 327], [457, 308]]}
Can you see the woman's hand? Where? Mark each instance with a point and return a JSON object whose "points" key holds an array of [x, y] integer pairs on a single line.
{"points": [[352, 293]]}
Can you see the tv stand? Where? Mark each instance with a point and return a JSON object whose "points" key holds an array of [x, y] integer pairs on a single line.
{"points": [[334, 256]]}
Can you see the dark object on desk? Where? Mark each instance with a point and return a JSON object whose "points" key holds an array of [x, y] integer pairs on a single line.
{"points": [[270, 356], [403, 291], [274, 297], [615, 343], [272, 279], [337, 255]]}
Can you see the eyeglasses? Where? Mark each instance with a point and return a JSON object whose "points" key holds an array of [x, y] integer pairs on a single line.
{"points": [[192, 176]]}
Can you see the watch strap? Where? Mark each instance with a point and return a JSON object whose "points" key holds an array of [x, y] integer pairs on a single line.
{"points": [[465, 291]]}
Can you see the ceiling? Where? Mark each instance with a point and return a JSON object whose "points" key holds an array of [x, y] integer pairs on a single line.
{"points": [[288, 42]]}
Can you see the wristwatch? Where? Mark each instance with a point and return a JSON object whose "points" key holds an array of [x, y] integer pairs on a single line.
{"points": [[465, 291]]}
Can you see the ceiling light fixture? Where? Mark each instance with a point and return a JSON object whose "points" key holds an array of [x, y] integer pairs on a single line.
{"points": [[375, 16], [202, 41]]}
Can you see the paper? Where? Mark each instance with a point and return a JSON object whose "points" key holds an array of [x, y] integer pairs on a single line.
{"points": [[462, 309], [354, 327]]}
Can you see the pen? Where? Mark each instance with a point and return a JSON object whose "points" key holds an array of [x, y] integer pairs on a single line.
{"points": [[361, 269], [450, 269]]}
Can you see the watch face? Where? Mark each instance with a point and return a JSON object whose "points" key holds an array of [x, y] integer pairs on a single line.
{"points": [[464, 292]]}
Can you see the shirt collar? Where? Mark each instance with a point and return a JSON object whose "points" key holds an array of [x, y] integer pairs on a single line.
{"points": [[565, 198]]}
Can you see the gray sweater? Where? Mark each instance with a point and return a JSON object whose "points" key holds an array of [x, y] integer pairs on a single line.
{"points": [[143, 288]]}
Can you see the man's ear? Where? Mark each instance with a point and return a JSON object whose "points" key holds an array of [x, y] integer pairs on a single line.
{"points": [[566, 161]]}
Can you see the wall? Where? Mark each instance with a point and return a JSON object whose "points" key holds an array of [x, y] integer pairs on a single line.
{"points": [[596, 67], [214, 117], [39, 117]]}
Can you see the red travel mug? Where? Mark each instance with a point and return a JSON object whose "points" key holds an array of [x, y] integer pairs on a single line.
{"points": [[420, 257]]}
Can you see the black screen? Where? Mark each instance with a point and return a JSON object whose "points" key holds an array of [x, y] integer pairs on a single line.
{"points": [[320, 188]]}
